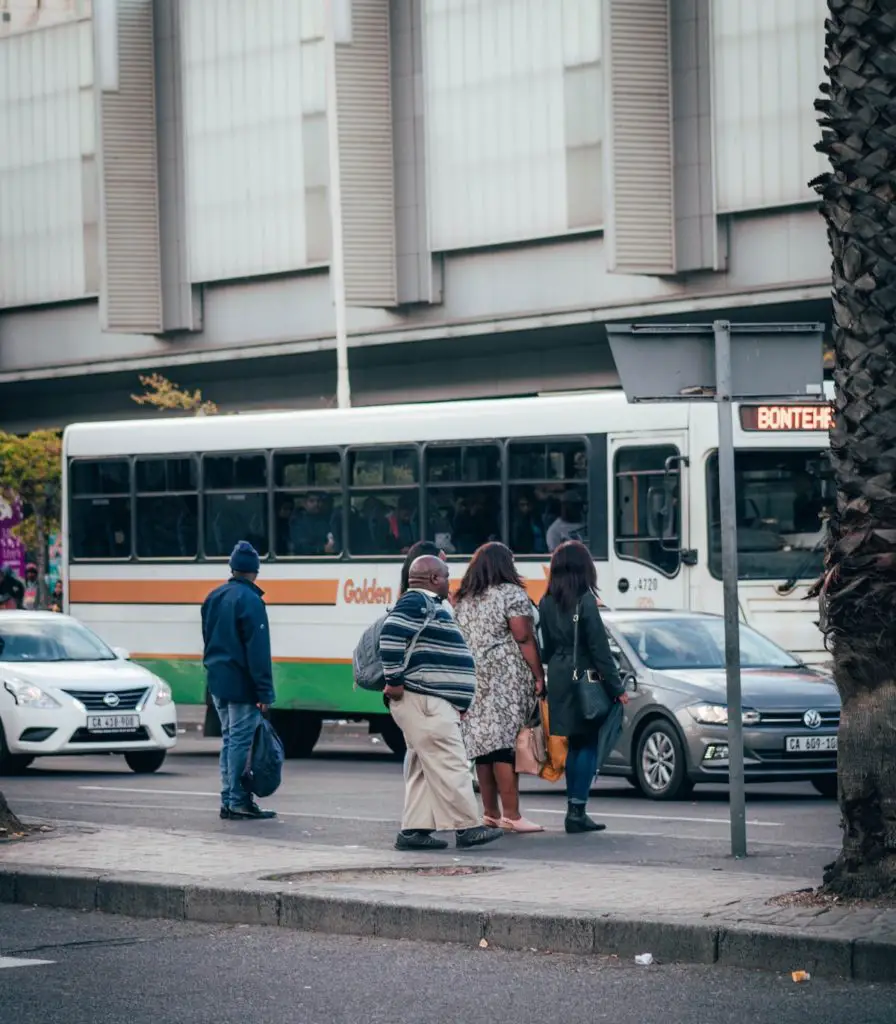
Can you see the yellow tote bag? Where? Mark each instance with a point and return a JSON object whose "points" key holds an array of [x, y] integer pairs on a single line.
{"points": [[557, 747]]}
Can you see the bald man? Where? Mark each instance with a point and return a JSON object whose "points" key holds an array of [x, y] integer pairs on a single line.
{"points": [[430, 682]]}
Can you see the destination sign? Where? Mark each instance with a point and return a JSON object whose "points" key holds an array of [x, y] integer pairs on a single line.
{"points": [[786, 417]]}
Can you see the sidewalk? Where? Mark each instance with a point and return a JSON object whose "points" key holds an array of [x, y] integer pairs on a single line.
{"points": [[694, 916]]}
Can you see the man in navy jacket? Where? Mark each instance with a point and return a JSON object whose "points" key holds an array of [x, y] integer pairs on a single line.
{"points": [[237, 662]]}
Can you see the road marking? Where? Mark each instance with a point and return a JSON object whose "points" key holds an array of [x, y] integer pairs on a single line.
{"points": [[603, 814], [151, 792], [663, 817], [14, 961]]}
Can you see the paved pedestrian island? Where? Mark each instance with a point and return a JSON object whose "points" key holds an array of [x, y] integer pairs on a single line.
{"points": [[677, 914]]}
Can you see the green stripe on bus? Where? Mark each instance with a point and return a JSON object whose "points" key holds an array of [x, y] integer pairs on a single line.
{"points": [[306, 686]]}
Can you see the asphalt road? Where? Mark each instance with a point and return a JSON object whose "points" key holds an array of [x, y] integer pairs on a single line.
{"points": [[350, 794], [105, 970]]}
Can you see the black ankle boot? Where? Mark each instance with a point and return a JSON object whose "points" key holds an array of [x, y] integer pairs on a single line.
{"points": [[578, 821]]}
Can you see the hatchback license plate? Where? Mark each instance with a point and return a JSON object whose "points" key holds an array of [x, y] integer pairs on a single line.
{"points": [[112, 723], [811, 744]]}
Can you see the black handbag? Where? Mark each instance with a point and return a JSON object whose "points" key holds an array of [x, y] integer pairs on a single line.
{"points": [[593, 700]]}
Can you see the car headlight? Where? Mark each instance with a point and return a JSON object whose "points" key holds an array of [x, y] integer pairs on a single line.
{"points": [[163, 694], [717, 714], [27, 695]]}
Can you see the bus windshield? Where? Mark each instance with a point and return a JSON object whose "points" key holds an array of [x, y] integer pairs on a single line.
{"points": [[781, 498]]}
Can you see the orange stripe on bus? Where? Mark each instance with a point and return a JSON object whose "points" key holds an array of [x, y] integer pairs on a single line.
{"points": [[144, 656], [276, 592]]}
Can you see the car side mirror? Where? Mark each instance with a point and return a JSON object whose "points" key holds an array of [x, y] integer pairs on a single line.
{"points": [[121, 654], [630, 681]]}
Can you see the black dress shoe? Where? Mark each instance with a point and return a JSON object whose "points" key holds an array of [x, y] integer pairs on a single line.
{"points": [[419, 841], [225, 813], [250, 811], [479, 835]]}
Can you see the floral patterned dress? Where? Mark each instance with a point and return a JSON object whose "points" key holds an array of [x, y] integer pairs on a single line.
{"points": [[505, 687]]}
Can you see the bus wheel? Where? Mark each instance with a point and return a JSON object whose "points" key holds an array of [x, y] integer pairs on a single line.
{"points": [[298, 730], [394, 737]]}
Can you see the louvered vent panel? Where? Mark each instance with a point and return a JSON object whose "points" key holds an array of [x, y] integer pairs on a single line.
{"points": [[642, 235], [132, 285], [364, 100]]}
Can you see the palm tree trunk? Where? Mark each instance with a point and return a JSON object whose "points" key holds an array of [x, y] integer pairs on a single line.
{"points": [[858, 590]]}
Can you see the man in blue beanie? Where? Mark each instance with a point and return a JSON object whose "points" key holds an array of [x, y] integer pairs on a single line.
{"points": [[237, 662]]}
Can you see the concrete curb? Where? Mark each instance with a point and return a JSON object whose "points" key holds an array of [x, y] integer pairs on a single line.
{"points": [[391, 916]]}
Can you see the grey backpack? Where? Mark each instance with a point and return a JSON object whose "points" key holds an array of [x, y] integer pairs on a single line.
{"points": [[367, 665]]}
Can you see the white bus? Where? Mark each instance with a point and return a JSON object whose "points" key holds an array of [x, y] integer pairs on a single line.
{"points": [[331, 499]]}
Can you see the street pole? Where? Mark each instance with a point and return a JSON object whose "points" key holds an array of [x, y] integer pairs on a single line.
{"points": [[728, 526], [337, 256]]}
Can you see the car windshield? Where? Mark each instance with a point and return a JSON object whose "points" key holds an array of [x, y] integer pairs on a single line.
{"points": [[685, 643], [34, 640]]}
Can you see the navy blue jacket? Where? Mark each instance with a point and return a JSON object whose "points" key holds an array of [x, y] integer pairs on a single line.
{"points": [[237, 642]]}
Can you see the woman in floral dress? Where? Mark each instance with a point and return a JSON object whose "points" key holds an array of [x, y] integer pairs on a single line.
{"points": [[496, 617]]}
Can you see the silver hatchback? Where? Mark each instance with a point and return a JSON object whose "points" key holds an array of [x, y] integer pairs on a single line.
{"points": [[675, 732]]}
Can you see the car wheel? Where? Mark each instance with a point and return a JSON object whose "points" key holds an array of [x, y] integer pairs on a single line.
{"points": [[827, 786], [298, 731], [393, 737], [660, 766], [144, 762]]}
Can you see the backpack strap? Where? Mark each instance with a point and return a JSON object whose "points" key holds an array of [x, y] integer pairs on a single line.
{"points": [[431, 609]]}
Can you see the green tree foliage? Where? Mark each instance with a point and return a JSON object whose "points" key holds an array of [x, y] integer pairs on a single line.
{"points": [[31, 470], [166, 396]]}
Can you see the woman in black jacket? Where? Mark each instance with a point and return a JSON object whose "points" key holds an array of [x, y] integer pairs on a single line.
{"points": [[572, 585]]}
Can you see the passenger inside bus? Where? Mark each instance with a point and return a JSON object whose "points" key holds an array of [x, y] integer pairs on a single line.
{"points": [[570, 524], [402, 524], [527, 532], [311, 528]]}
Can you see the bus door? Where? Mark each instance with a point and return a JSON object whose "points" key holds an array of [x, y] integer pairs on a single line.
{"points": [[649, 549]]}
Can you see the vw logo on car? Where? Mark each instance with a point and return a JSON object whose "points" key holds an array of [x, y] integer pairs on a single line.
{"points": [[812, 719], [111, 700]]}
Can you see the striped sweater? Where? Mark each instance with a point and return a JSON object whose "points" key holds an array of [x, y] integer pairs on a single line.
{"points": [[441, 664]]}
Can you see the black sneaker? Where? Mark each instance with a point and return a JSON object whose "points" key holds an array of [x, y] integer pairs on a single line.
{"points": [[479, 835], [249, 811], [225, 813], [419, 841]]}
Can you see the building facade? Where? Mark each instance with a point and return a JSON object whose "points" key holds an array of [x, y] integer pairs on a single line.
{"points": [[514, 174]]}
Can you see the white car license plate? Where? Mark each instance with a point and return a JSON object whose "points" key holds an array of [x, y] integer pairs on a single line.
{"points": [[811, 744], [112, 723]]}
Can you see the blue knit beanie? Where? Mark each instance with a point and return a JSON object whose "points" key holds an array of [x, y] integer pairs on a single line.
{"points": [[245, 558]]}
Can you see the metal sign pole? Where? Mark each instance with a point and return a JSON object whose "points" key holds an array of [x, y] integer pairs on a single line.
{"points": [[728, 526]]}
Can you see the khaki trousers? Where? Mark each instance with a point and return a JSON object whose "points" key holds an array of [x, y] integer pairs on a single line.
{"points": [[438, 787]]}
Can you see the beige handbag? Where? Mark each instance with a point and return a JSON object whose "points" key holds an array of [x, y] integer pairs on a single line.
{"points": [[531, 747]]}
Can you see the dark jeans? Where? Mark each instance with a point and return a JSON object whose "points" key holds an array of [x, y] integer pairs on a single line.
{"points": [[588, 754], [581, 767]]}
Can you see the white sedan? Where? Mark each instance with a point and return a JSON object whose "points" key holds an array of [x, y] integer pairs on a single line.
{"points": [[63, 691]]}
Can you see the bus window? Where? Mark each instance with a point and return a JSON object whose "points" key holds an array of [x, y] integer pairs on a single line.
{"points": [[307, 503], [235, 502], [781, 497], [648, 516], [548, 494], [384, 500], [167, 508], [101, 509], [463, 496]]}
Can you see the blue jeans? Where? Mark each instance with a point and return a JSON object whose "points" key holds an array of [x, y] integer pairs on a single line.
{"points": [[581, 767], [238, 724]]}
